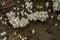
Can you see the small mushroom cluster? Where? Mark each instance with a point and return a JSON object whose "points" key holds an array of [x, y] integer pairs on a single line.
{"points": [[22, 38], [29, 6], [56, 5], [15, 21], [41, 15], [3, 36], [10, 15]]}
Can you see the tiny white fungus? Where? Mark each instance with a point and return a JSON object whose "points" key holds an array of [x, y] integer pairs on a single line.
{"points": [[33, 31]]}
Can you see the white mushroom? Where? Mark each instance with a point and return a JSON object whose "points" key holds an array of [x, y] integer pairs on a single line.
{"points": [[33, 31]]}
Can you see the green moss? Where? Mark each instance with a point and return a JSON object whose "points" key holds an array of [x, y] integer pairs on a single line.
{"points": [[40, 7]]}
